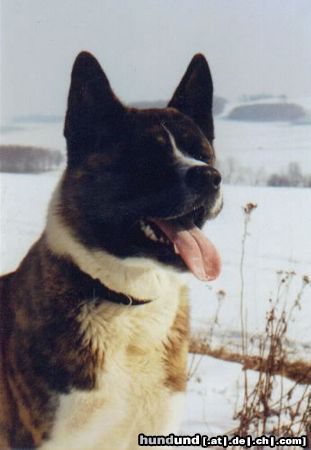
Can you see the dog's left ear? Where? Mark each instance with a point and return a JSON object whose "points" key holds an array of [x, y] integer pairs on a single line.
{"points": [[194, 95]]}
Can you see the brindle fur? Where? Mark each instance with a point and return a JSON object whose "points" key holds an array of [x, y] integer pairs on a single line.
{"points": [[45, 355], [43, 352]]}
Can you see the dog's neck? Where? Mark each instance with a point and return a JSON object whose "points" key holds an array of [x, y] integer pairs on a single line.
{"points": [[139, 278]]}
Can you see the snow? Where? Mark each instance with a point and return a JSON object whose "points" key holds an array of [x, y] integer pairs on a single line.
{"points": [[215, 394], [49, 135], [211, 398], [263, 148], [24, 200], [278, 239]]}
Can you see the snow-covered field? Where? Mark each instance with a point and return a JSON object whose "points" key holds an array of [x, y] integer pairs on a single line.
{"points": [[264, 147], [278, 239], [258, 149]]}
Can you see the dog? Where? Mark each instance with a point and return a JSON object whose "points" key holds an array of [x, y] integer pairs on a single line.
{"points": [[94, 322]]}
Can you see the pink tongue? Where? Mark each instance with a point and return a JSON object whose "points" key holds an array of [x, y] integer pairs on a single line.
{"points": [[196, 250]]}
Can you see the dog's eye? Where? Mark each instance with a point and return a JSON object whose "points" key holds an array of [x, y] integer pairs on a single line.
{"points": [[199, 152], [203, 158]]}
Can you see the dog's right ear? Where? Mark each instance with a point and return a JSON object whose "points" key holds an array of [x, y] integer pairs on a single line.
{"points": [[92, 106]]}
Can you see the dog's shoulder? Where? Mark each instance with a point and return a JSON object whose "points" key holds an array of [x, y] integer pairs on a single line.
{"points": [[142, 373]]}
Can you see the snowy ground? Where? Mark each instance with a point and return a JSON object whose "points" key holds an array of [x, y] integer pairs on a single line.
{"points": [[263, 148], [278, 239]]}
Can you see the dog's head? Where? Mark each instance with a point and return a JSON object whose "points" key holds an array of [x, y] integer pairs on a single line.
{"points": [[142, 182]]}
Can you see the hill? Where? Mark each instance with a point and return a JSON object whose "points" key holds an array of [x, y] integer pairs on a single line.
{"points": [[267, 112]]}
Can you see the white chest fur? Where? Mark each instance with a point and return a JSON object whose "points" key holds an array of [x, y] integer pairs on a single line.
{"points": [[131, 397]]}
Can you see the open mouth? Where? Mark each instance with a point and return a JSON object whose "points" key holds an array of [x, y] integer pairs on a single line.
{"points": [[183, 237]]}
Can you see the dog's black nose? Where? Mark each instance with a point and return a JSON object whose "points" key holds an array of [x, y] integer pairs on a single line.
{"points": [[202, 177]]}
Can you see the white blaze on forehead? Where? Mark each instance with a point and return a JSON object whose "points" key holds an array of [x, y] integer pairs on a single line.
{"points": [[181, 157]]}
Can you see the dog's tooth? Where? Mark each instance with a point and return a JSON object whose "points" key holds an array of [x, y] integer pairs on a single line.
{"points": [[148, 231], [153, 236], [150, 234], [176, 249]]}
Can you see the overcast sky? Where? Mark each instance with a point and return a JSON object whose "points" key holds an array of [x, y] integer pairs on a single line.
{"points": [[253, 46]]}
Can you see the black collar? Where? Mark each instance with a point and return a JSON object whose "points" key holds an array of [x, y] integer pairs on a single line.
{"points": [[87, 286], [103, 292]]}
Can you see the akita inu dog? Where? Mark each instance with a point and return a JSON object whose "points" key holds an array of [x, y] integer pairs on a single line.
{"points": [[94, 322]]}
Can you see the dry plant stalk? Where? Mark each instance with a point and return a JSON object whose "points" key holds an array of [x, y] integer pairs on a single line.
{"points": [[248, 209], [263, 412], [202, 347]]}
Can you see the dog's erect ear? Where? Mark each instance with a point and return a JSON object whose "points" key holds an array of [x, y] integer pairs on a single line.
{"points": [[194, 95], [92, 106]]}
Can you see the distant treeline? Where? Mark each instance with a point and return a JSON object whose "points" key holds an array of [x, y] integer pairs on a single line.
{"points": [[293, 177], [233, 172], [27, 159]]}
